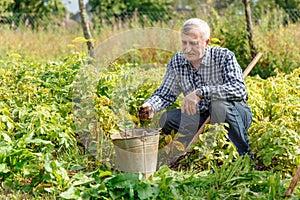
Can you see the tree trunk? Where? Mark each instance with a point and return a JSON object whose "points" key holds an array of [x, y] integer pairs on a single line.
{"points": [[293, 183], [86, 28], [253, 49]]}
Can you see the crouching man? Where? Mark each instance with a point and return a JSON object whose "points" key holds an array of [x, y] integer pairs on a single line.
{"points": [[212, 83]]}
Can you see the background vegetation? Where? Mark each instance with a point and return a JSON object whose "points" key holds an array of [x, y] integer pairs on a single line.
{"points": [[55, 144]]}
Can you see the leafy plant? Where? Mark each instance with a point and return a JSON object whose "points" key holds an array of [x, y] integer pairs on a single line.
{"points": [[36, 123], [45, 113], [275, 106]]}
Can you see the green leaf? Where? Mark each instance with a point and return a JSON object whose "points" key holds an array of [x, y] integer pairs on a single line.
{"points": [[3, 168], [6, 137], [105, 173], [179, 146], [147, 191], [71, 193], [83, 181], [38, 141]]}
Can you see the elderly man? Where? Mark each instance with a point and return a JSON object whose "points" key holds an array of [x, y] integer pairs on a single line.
{"points": [[212, 83]]}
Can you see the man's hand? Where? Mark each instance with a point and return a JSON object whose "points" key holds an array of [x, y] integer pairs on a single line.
{"points": [[190, 102], [146, 111]]}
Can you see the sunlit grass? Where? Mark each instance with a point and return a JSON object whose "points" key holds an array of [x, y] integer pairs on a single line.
{"points": [[277, 42], [39, 45]]}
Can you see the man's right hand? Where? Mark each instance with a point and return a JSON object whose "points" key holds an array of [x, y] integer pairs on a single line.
{"points": [[189, 103], [146, 111]]}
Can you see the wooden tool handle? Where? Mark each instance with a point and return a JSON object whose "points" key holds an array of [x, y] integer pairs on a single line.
{"points": [[293, 183], [251, 65]]}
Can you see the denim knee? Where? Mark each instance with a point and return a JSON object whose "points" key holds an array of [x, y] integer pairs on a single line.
{"points": [[218, 110]]}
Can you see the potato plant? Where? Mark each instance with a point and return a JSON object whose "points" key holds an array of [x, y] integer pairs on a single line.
{"points": [[275, 136], [36, 122], [42, 153]]}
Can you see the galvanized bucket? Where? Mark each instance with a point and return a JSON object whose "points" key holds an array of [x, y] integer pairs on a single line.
{"points": [[136, 150]]}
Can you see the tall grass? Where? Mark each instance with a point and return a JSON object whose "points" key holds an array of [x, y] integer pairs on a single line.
{"points": [[39, 45], [274, 37]]}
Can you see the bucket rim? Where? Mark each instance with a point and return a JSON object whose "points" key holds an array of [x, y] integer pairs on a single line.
{"points": [[118, 135]]}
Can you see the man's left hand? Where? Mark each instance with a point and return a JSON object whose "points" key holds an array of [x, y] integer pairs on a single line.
{"points": [[189, 103]]}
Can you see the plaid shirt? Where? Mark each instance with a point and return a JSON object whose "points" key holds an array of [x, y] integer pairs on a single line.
{"points": [[218, 77]]}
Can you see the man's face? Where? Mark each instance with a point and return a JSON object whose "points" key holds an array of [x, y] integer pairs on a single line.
{"points": [[193, 46]]}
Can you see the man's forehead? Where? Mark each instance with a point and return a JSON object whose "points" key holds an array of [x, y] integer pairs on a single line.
{"points": [[191, 35]]}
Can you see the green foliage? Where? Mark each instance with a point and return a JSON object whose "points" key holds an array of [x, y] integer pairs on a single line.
{"points": [[37, 101], [31, 6], [122, 10], [232, 180], [4, 5], [277, 42], [105, 185], [274, 134], [212, 148], [118, 7], [36, 122], [275, 35], [120, 94], [229, 34], [29, 12], [292, 4], [279, 56], [39, 154]]}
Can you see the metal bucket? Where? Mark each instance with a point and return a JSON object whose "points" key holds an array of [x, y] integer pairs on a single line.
{"points": [[136, 150]]}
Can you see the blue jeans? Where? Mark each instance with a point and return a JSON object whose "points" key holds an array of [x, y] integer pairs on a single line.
{"points": [[237, 114]]}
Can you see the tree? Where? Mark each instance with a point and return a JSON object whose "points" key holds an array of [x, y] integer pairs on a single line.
{"points": [[285, 4], [115, 10], [291, 7], [86, 28], [253, 49], [30, 11]]}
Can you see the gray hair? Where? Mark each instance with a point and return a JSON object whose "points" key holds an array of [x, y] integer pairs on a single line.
{"points": [[196, 24]]}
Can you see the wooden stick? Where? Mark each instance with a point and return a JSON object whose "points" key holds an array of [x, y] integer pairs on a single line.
{"points": [[293, 183], [245, 73], [251, 65]]}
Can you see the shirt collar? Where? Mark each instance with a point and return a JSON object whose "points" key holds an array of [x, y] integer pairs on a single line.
{"points": [[206, 58], [184, 60]]}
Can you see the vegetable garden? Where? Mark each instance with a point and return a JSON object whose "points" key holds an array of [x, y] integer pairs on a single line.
{"points": [[56, 119]]}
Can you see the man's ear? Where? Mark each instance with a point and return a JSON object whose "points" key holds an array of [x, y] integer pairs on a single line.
{"points": [[207, 41]]}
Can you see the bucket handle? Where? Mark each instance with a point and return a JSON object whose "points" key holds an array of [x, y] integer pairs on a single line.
{"points": [[143, 139]]}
